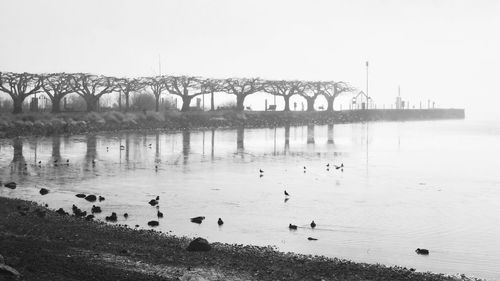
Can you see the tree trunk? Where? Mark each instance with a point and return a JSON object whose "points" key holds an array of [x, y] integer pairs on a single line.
{"points": [[330, 104], [186, 102], [240, 99], [310, 103], [56, 104], [91, 102], [18, 105], [287, 103], [212, 106], [127, 104], [157, 103]]}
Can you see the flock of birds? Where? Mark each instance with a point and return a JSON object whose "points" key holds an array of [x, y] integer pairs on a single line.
{"points": [[77, 212]]}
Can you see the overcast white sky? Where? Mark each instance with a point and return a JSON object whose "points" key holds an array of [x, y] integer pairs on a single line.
{"points": [[447, 51]]}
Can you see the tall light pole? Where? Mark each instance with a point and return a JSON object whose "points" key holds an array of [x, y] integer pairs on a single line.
{"points": [[367, 95]]}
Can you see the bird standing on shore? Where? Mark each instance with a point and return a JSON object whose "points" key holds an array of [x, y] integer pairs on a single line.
{"points": [[159, 214], [313, 224]]}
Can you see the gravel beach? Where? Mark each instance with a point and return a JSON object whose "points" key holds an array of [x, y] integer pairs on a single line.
{"points": [[44, 245]]}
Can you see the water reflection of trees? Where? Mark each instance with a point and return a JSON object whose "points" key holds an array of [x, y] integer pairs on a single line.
{"points": [[140, 144], [18, 164], [56, 148], [310, 134], [186, 145]]}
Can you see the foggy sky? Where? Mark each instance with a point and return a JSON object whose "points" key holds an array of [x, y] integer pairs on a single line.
{"points": [[446, 51]]}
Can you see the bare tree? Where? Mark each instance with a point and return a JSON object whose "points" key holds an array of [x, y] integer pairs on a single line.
{"points": [[91, 88], [157, 85], [212, 86], [331, 90], [186, 87], [128, 86], [56, 86], [285, 89], [19, 86], [310, 93], [241, 88]]}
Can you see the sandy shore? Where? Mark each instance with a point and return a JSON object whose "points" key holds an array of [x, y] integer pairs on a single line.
{"points": [[43, 245]]}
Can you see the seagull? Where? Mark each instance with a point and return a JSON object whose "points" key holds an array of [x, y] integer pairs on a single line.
{"points": [[159, 214], [328, 165], [313, 224], [292, 226], [220, 222], [286, 193], [339, 167], [260, 170]]}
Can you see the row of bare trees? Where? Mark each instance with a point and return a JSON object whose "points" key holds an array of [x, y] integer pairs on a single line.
{"points": [[91, 88]]}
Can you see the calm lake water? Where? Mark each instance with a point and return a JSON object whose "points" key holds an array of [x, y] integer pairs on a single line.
{"points": [[405, 185]]}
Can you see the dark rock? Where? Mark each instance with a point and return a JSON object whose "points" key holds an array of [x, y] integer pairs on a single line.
{"points": [[199, 245], [91, 198], [96, 209], [311, 239], [61, 211], [197, 220], [112, 218], [11, 185], [153, 223], [81, 195], [89, 217], [157, 198], [78, 212], [422, 251], [9, 272], [153, 202], [44, 191], [159, 214]]}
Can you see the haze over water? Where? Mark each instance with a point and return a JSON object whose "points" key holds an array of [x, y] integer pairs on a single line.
{"points": [[427, 184]]}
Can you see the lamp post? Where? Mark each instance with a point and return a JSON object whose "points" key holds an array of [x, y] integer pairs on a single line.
{"points": [[367, 95]]}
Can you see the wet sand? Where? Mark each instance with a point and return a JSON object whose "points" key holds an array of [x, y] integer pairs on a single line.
{"points": [[43, 245]]}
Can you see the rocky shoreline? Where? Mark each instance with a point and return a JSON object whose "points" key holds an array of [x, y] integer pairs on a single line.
{"points": [[44, 124], [43, 245]]}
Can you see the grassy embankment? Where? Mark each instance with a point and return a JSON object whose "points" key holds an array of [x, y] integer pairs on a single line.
{"points": [[79, 122]]}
